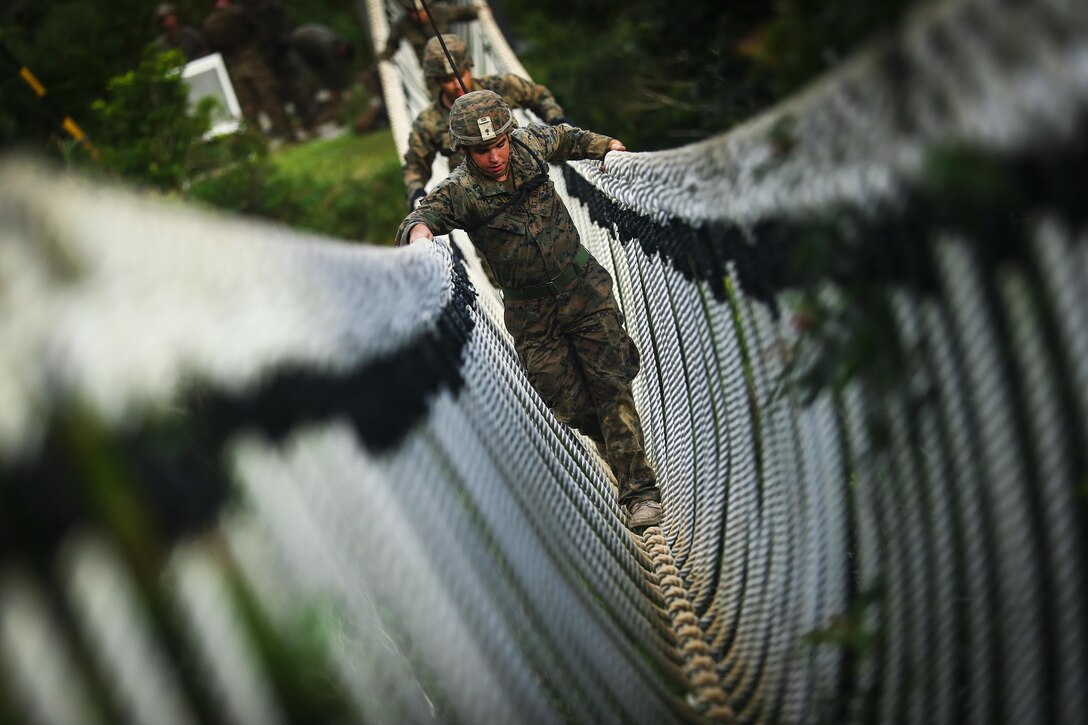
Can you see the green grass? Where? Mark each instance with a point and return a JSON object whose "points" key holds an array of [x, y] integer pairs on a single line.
{"points": [[334, 160], [348, 187]]}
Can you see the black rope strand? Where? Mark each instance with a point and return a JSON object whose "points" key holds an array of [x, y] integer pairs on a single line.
{"points": [[437, 34]]}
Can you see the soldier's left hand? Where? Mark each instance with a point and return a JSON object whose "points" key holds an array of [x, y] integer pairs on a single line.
{"points": [[613, 145]]}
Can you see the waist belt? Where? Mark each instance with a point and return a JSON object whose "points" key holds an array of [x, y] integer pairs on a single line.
{"points": [[552, 286]]}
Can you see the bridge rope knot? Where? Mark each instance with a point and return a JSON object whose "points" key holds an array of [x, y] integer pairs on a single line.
{"points": [[706, 695]]}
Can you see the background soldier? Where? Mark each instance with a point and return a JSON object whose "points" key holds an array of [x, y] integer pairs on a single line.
{"points": [[430, 133], [328, 56], [176, 36], [415, 25], [559, 305], [233, 32], [274, 37]]}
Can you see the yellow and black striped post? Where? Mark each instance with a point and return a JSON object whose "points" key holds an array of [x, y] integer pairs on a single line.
{"points": [[61, 119]]}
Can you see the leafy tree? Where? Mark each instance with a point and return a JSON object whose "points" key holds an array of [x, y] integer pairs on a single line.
{"points": [[147, 132], [74, 47], [659, 74]]}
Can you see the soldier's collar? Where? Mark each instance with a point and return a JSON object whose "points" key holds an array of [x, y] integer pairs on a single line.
{"points": [[487, 186]]}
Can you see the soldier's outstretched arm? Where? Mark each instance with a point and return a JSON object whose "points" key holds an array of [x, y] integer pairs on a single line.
{"points": [[392, 42], [569, 143], [416, 169], [436, 214]]}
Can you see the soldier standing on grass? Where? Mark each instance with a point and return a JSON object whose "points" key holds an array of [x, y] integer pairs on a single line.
{"points": [[287, 67], [232, 31], [430, 133], [328, 56], [558, 299]]}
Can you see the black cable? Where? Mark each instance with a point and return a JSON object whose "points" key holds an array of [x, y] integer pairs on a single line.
{"points": [[460, 81]]}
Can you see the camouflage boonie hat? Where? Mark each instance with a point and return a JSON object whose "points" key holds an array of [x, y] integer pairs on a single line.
{"points": [[478, 118], [435, 64], [164, 10]]}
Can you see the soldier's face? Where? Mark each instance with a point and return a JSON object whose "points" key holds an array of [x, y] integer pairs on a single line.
{"points": [[451, 89], [493, 160]]}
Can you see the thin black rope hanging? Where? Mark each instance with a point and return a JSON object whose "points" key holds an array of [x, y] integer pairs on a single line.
{"points": [[456, 72]]}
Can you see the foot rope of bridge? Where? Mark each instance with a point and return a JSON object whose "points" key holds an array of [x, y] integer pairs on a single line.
{"points": [[707, 695]]}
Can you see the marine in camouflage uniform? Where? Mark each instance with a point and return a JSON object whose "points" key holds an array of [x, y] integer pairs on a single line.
{"points": [[559, 305], [327, 55], [415, 26], [176, 36], [430, 133], [232, 31], [293, 85]]}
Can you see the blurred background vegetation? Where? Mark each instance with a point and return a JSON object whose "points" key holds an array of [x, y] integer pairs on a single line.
{"points": [[656, 74], [660, 73], [76, 46]]}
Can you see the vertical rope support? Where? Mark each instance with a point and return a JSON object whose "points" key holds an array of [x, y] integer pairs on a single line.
{"points": [[707, 694]]}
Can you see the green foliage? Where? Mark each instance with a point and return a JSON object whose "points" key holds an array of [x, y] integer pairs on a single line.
{"points": [[808, 37], [659, 74], [74, 47], [96, 52], [147, 132], [348, 188], [849, 630], [295, 657]]}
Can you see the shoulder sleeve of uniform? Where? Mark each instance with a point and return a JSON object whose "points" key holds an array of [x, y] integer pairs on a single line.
{"points": [[443, 210], [543, 140], [417, 159], [393, 41], [567, 143]]}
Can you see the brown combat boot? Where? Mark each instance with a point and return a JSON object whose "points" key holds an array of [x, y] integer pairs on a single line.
{"points": [[643, 514]]}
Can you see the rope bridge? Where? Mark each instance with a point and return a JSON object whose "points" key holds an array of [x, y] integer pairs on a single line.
{"points": [[250, 475]]}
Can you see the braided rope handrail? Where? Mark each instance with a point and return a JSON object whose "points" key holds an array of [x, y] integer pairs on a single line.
{"points": [[872, 463]]}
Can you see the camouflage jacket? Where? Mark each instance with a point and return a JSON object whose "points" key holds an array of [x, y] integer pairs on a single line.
{"points": [[419, 33], [431, 130], [530, 242], [232, 31]]}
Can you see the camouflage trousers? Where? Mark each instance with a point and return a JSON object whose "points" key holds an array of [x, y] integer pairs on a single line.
{"points": [[256, 89], [581, 361]]}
